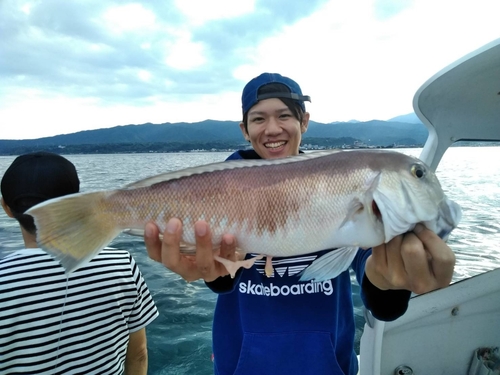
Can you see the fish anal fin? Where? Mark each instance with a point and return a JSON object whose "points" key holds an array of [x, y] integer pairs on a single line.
{"points": [[233, 266], [269, 270]]}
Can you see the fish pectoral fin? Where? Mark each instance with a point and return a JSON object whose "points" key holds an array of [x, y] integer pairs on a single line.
{"points": [[233, 266], [329, 265], [355, 207]]}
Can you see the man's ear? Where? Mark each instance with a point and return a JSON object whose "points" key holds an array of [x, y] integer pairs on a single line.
{"points": [[6, 208], [305, 122], [244, 131]]}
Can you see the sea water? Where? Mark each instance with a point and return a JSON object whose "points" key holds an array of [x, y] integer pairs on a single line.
{"points": [[179, 340]]}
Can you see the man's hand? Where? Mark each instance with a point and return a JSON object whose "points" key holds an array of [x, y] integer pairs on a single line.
{"points": [[200, 266], [418, 261]]}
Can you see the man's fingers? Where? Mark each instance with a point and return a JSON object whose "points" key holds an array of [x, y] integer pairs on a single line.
{"points": [[442, 258], [397, 273], [170, 250], [380, 257], [152, 241], [416, 259], [204, 248], [190, 268], [228, 247]]}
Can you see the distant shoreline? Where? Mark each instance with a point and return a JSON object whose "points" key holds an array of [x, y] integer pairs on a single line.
{"points": [[143, 149], [108, 149]]}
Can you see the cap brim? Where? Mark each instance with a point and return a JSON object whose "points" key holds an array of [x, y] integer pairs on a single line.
{"points": [[289, 95]]}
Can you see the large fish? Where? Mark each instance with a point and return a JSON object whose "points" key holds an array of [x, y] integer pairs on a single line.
{"points": [[274, 207]]}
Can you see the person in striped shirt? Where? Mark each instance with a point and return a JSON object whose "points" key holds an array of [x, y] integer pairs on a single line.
{"points": [[91, 321]]}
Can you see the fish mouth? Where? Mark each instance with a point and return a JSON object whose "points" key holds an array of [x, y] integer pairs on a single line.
{"points": [[449, 216], [401, 215]]}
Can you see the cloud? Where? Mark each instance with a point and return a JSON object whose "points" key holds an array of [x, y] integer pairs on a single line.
{"points": [[85, 64], [199, 12], [385, 9]]}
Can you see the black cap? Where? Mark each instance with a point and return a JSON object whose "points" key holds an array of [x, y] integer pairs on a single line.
{"points": [[38, 176]]}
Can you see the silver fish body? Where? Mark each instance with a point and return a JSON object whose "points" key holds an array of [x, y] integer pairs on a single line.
{"points": [[279, 207]]}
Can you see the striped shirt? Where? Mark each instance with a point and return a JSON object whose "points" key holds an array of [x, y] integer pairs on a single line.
{"points": [[80, 324]]}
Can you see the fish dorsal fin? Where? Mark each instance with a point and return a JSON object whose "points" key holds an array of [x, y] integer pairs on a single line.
{"points": [[225, 165]]}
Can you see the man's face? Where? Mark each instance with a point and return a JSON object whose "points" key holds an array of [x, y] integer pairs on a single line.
{"points": [[273, 131]]}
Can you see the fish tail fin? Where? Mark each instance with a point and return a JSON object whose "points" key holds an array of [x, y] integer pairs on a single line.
{"points": [[73, 229]]}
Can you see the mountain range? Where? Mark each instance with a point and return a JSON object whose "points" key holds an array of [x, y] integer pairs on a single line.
{"points": [[404, 130]]}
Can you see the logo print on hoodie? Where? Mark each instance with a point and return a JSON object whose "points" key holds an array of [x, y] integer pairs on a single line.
{"points": [[272, 290], [281, 266]]}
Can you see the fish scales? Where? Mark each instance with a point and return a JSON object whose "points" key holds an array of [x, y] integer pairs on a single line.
{"points": [[258, 201], [279, 207]]}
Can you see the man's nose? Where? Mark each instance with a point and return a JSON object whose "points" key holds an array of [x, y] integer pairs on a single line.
{"points": [[273, 127]]}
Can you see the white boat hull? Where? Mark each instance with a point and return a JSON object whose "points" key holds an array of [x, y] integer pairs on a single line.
{"points": [[441, 330]]}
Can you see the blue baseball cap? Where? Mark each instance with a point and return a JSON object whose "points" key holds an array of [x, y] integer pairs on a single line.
{"points": [[250, 95]]}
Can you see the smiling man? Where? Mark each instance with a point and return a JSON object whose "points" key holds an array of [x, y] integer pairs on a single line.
{"points": [[264, 313]]}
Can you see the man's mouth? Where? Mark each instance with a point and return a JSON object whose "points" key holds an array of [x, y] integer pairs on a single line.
{"points": [[274, 144]]}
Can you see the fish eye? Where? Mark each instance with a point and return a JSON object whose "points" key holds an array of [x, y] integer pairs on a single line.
{"points": [[418, 170]]}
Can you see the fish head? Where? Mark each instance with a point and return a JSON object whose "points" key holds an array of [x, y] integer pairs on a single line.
{"points": [[408, 192]]}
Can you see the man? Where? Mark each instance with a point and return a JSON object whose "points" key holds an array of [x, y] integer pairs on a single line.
{"points": [[91, 321], [258, 321]]}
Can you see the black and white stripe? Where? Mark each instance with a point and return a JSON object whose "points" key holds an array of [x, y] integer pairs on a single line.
{"points": [[51, 324]]}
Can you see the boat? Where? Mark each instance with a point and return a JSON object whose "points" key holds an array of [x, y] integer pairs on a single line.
{"points": [[447, 331]]}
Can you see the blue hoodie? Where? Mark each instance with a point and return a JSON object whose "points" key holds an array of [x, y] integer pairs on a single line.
{"points": [[280, 325]]}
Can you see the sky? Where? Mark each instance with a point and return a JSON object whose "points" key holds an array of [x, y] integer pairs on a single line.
{"points": [[68, 66]]}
